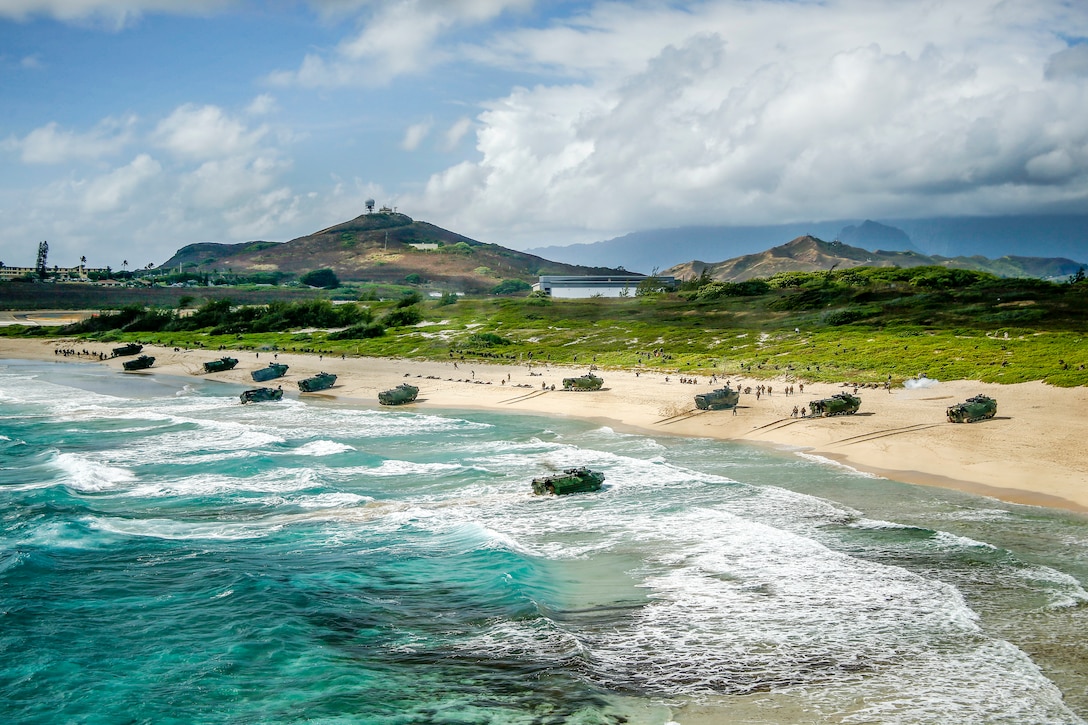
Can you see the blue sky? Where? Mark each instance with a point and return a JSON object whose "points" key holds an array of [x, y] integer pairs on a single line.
{"points": [[133, 127]]}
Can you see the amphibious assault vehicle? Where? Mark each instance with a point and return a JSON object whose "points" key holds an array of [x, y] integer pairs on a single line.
{"points": [[979, 407], [321, 381], [837, 404], [130, 349], [720, 399], [273, 371], [221, 365], [589, 381], [259, 395], [403, 393], [141, 363], [572, 480]]}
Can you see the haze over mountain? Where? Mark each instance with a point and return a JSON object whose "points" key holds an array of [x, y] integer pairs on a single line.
{"points": [[809, 254], [1040, 236], [378, 247]]}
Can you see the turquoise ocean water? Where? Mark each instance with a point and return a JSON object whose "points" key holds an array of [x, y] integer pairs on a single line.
{"points": [[168, 555]]}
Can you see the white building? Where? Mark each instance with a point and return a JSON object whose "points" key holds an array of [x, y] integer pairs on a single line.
{"points": [[583, 286], [62, 274]]}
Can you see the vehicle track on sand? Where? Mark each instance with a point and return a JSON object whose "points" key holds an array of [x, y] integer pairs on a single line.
{"points": [[523, 397], [685, 415], [873, 435]]}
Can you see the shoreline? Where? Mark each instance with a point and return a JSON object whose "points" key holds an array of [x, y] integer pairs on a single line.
{"points": [[1029, 453]]}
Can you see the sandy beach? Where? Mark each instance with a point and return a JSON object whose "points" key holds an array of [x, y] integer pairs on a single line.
{"points": [[1031, 452]]}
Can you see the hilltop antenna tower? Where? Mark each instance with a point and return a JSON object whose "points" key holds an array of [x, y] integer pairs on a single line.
{"points": [[43, 252]]}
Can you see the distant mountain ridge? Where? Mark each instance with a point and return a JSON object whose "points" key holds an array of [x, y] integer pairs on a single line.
{"points": [[809, 254], [379, 247], [1025, 236]]}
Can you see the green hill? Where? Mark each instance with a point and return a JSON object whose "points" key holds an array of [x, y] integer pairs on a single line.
{"points": [[809, 254], [379, 247]]}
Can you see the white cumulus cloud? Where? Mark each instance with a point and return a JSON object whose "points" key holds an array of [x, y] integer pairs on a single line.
{"points": [[50, 144], [414, 135], [116, 14], [744, 112], [205, 132], [395, 38], [110, 191]]}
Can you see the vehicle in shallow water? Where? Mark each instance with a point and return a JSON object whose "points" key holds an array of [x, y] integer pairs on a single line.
{"points": [[403, 393], [589, 381], [321, 381], [141, 363], [572, 480], [273, 371], [837, 404], [978, 407], [720, 399], [131, 348], [260, 395], [221, 365]]}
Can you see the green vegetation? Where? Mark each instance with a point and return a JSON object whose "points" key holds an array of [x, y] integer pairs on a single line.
{"points": [[324, 278], [511, 287], [861, 325]]}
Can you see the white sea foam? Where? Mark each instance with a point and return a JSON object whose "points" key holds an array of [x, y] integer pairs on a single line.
{"points": [[85, 474], [183, 530], [330, 501], [836, 464], [1061, 589], [410, 468], [275, 481], [949, 541], [321, 448], [737, 606]]}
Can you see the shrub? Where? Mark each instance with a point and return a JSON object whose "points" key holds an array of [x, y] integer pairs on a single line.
{"points": [[402, 317], [718, 290], [847, 315], [488, 339], [511, 287], [792, 279], [324, 278], [359, 332]]}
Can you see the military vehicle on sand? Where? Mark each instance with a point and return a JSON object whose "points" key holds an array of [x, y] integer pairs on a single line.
{"points": [[131, 348], [720, 399], [321, 381], [273, 371], [221, 365], [589, 381], [403, 393], [837, 404], [979, 407], [141, 363]]}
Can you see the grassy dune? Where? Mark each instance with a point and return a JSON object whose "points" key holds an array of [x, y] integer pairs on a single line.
{"points": [[858, 326]]}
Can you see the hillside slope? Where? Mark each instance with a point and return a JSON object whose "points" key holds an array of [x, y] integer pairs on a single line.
{"points": [[809, 254], [378, 247]]}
